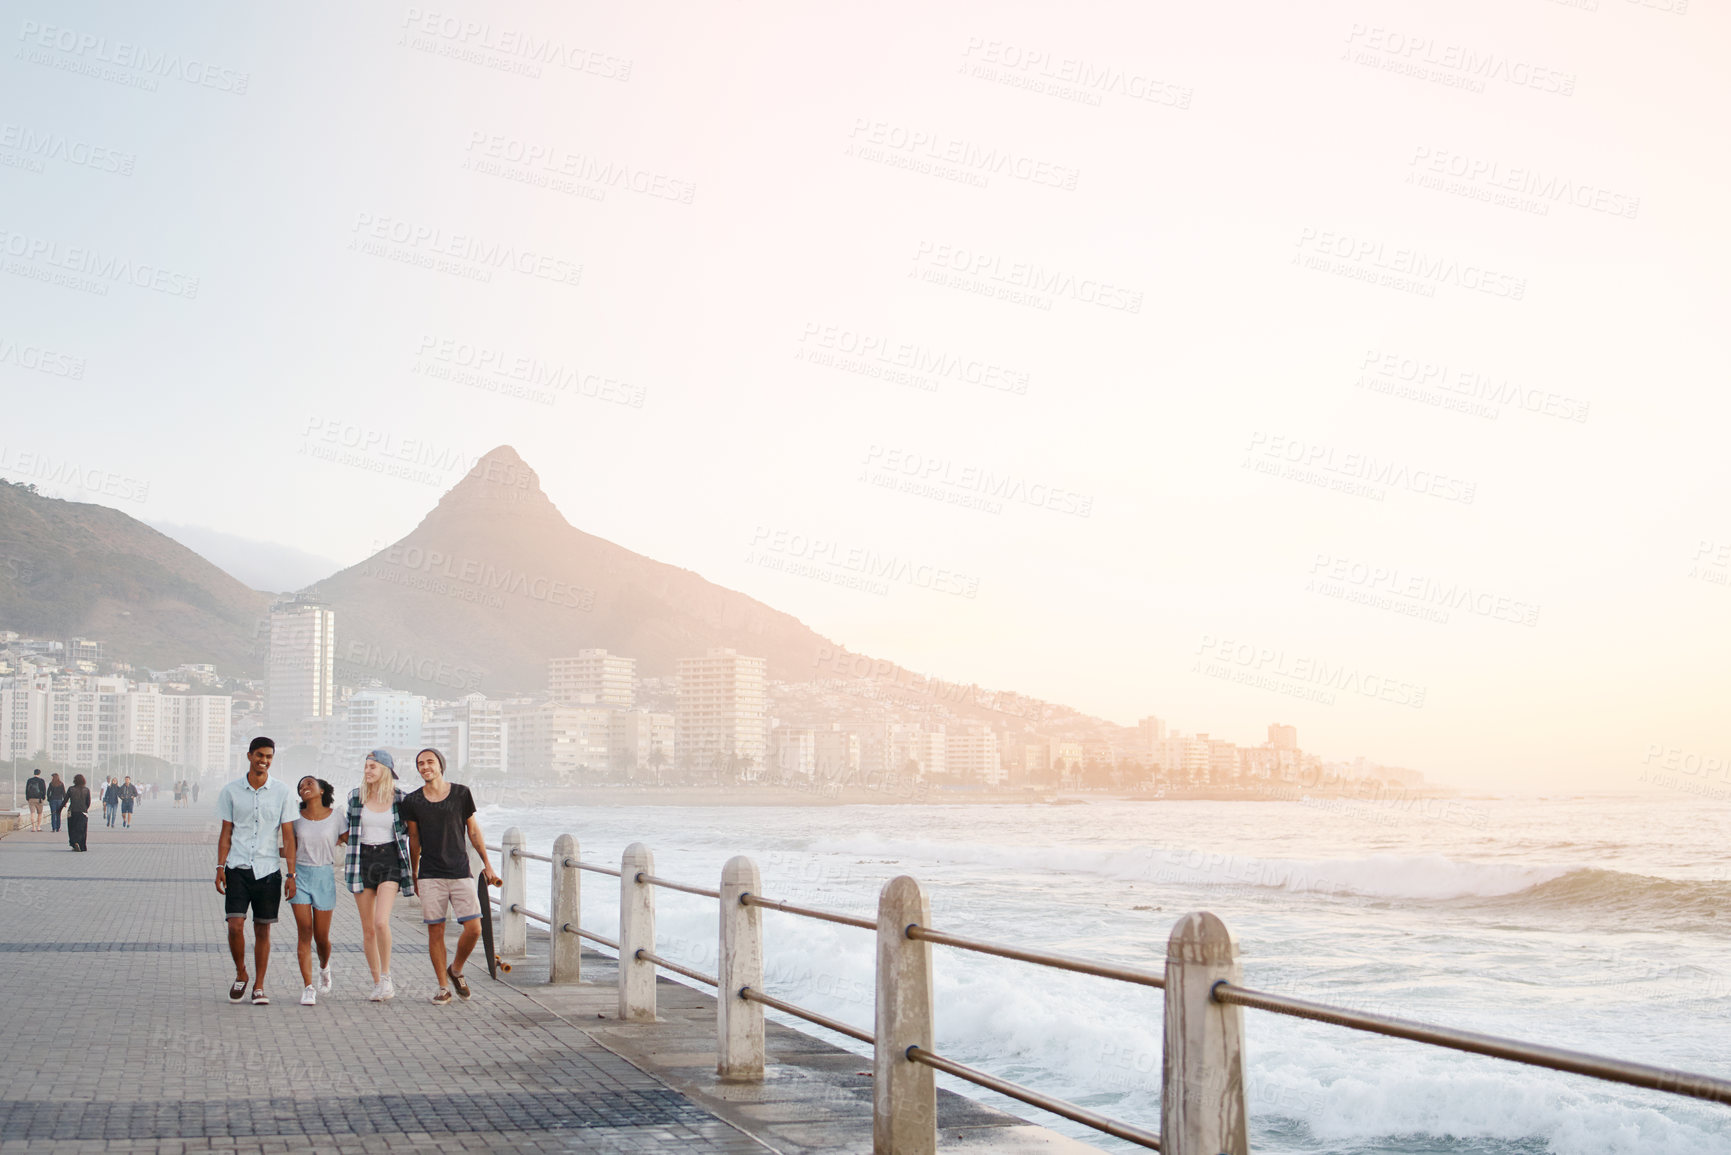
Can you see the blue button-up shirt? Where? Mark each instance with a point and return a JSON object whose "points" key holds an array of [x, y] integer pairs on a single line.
{"points": [[258, 816]]}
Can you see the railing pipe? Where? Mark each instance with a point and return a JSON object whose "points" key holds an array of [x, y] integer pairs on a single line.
{"points": [[738, 1021], [904, 1093], [808, 912], [1202, 1109], [565, 955], [670, 885], [636, 935], [800, 1012], [513, 927], [1035, 1099], [1532, 1054], [1043, 958]]}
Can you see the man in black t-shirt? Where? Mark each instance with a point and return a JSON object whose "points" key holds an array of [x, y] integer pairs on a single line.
{"points": [[441, 819]]}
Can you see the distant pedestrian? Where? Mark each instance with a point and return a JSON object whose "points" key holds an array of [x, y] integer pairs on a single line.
{"points": [[78, 814], [128, 798], [110, 802], [318, 832], [377, 865], [195, 792], [254, 811], [56, 799], [36, 797], [441, 817]]}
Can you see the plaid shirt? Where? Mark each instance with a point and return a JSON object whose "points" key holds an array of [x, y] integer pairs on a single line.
{"points": [[352, 860]]}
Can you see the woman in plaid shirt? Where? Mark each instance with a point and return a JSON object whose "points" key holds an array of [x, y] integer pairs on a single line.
{"points": [[376, 866]]}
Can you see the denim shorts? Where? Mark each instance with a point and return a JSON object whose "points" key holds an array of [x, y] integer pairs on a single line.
{"points": [[379, 864], [315, 885]]}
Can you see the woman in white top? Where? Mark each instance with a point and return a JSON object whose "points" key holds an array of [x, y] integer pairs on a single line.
{"points": [[377, 865], [318, 832]]}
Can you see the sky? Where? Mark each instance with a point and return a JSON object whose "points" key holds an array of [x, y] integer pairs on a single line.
{"points": [[1355, 366]]}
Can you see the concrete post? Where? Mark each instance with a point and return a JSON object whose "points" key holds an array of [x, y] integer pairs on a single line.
{"points": [[513, 927], [1202, 1110], [636, 932], [739, 1023], [565, 950], [904, 1093]]}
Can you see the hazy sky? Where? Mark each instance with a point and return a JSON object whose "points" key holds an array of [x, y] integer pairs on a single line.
{"points": [[1387, 338]]}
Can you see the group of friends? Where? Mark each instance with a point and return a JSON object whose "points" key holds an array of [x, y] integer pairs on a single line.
{"points": [[280, 843], [47, 798]]}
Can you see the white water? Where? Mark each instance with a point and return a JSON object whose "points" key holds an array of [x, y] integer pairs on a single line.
{"points": [[1600, 924]]}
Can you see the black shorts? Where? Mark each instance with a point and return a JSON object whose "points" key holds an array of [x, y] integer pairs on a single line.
{"points": [[381, 863], [264, 895]]}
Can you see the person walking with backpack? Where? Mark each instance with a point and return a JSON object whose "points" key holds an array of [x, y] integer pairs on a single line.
{"points": [[35, 797], [56, 799], [78, 814]]}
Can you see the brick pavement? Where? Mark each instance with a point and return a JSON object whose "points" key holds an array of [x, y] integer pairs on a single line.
{"points": [[119, 1036]]}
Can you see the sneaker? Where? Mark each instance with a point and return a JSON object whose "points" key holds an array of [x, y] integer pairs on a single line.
{"points": [[309, 997], [377, 994], [442, 997], [387, 989], [324, 980]]}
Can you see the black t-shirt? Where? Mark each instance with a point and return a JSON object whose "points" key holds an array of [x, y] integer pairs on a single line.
{"points": [[442, 828]]}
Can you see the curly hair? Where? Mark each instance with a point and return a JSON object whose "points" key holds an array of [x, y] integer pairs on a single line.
{"points": [[327, 792]]}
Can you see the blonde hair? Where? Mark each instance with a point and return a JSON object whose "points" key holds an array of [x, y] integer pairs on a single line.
{"points": [[385, 791]]}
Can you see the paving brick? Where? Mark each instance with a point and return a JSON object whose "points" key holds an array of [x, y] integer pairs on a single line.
{"points": [[120, 1036]]}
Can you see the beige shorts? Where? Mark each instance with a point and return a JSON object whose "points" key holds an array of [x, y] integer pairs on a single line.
{"points": [[458, 893], [35, 806]]}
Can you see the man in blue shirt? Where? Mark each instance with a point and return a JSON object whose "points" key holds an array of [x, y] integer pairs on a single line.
{"points": [[255, 812]]}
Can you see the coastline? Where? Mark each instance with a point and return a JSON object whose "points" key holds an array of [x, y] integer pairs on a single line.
{"points": [[506, 794]]}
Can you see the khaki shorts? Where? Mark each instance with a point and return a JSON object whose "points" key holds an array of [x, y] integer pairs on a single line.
{"points": [[458, 893]]}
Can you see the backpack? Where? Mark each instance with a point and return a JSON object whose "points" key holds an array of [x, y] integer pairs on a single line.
{"points": [[35, 787]]}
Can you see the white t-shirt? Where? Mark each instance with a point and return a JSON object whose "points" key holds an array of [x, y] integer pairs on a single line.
{"points": [[377, 827], [316, 839]]}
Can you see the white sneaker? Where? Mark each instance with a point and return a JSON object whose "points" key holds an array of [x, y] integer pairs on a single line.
{"points": [[324, 980], [378, 992], [387, 989], [308, 998]]}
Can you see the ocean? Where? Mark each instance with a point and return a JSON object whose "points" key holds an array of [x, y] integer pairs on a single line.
{"points": [[1595, 922]]}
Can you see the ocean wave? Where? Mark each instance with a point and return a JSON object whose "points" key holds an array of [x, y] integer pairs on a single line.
{"points": [[1616, 892]]}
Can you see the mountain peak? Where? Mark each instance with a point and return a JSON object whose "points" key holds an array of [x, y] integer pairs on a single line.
{"points": [[499, 478]]}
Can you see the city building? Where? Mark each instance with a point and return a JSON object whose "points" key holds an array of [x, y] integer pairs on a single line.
{"points": [[382, 719], [721, 720], [835, 753], [971, 755], [472, 736], [96, 723], [300, 681], [641, 742], [1282, 737], [795, 751], [593, 676]]}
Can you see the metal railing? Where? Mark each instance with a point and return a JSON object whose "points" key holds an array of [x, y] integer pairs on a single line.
{"points": [[1202, 1103]]}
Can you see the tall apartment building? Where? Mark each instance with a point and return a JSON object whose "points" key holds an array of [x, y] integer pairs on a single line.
{"points": [[593, 676], [835, 753], [641, 741], [971, 754], [546, 739], [375, 719], [1282, 737], [93, 723], [795, 751], [472, 736], [303, 642], [722, 710]]}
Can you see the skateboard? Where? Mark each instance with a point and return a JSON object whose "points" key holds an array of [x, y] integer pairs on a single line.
{"points": [[495, 964]]}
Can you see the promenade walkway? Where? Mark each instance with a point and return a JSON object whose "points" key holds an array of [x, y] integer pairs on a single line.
{"points": [[119, 1037]]}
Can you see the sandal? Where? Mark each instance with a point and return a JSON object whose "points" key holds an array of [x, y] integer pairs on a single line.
{"points": [[457, 983], [259, 998], [237, 991]]}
